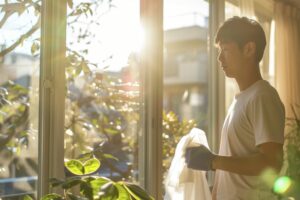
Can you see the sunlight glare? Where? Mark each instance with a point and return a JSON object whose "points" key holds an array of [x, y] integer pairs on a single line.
{"points": [[120, 35], [282, 184]]}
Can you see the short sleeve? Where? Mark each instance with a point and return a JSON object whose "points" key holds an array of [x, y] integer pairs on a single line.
{"points": [[267, 118]]}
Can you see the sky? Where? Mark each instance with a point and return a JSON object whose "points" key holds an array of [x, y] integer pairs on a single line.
{"points": [[120, 32], [117, 33], [17, 25]]}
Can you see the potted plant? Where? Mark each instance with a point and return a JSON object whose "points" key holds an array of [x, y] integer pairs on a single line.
{"points": [[288, 184], [92, 186]]}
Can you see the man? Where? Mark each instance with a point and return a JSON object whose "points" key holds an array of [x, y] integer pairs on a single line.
{"points": [[252, 133]]}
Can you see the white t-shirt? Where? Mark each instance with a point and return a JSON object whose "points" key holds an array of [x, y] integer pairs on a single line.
{"points": [[256, 116]]}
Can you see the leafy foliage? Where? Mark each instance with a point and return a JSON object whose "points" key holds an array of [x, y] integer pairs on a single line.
{"points": [[103, 118], [14, 108], [95, 187], [173, 130], [292, 146]]}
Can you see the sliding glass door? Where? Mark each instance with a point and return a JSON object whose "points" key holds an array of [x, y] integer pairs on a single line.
{"points": [[187, 72], [19, 97], [103, 104]]}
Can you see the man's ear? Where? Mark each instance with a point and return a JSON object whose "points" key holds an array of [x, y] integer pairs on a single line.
{"points": [[249, 49]]}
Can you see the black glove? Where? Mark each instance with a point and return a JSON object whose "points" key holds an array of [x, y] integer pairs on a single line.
{"points": [[199, 158]]}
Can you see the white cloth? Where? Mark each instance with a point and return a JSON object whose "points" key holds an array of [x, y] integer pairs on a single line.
{"points": [[256, 116], [182, 183]]}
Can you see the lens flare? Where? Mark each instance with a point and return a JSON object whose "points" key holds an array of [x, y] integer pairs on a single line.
{"points": [[282, 184]]}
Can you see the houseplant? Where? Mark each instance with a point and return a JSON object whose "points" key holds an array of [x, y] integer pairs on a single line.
{"points": [[287, 185], [92, 186]]}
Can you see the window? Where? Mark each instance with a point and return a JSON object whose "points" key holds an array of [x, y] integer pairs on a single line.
{"points": [[186, 50], [109, 103], [186, 66], [19, 91], [103, 104]]}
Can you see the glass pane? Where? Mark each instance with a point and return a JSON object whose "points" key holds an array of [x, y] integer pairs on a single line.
{"points": [[19, 97], [102, 117], [185, 71]]}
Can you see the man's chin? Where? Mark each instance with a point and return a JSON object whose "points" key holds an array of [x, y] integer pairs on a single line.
{"points": [[228, 75]]}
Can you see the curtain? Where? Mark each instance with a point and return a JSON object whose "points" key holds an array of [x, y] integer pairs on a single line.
{"points": [[247, 8], [287, 55]]}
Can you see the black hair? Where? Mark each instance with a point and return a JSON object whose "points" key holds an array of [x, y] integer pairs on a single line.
{"points": [[243, 30]]}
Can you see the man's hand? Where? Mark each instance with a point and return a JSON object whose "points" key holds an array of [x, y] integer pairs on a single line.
{"points": [[199, 158]]}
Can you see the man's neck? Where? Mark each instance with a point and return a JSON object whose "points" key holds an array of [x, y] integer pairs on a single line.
{"points": [[248, 78]]}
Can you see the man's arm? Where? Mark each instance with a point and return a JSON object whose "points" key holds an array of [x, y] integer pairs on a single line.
{"points": [[270, 156]]}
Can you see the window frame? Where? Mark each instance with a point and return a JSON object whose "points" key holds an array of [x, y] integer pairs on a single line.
{"points": [[52, 94], [151, 13], [217, 78]]}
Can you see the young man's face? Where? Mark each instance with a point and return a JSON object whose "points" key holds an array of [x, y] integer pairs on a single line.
{"points": [[231, 59]]}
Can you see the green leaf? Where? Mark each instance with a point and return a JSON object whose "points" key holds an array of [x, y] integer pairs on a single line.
{"points": [[91, 166], [75, 167], [109, 156], [111, 131], [52, 196], [24, 133], [131, 193], [88, 179], [77, 71], [71, 182], [27, 197], [87, 190], [110, 192], [75, 197], [91, 11], [35, 47], [98, 183], [85, 156], [123, 194], [85, 68], [21, 108], [137, 192], [1, 118], [56, 182], [70, 3]]}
